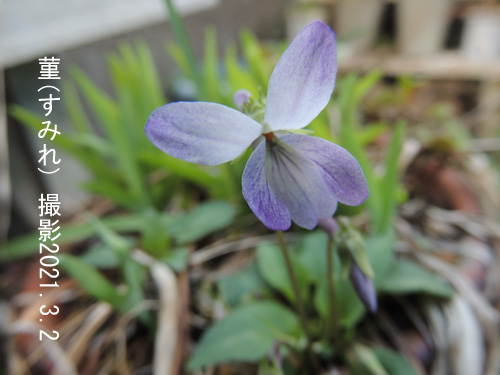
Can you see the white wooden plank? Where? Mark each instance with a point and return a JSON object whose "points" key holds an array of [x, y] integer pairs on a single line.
{"points": [[443, 65], [33, 28]]}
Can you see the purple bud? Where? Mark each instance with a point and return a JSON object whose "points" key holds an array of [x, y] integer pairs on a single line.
{"points": [[274, 355], [241, 97], [364, 288], [330, 226]]}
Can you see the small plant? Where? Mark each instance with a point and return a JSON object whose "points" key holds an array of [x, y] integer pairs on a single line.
{"points": [[296, 308]]}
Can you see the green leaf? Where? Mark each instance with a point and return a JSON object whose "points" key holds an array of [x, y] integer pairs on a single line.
{"points": [[269, 368], [98, 146], [71, 233], [155, 239], [352, 89], [394, 362], [187, 50], [240, 285], [405, 277], [237, 77], [207, 218], [320, 127], [357, 247], [211, 73], [177, 54], [351, 310], [312, 255], [134, 275], [67, 143], [380, 250], [365, 358], [34, 122], [371, 132], [118, 122], [102, 106], [273, 269], [112, 190], [92, 281], [74, 108], [389, 183], [187, 171], [151, 84], [101, 256], [246, 334], [364, 85], [113, 240], [252, 51], [177, 259]]}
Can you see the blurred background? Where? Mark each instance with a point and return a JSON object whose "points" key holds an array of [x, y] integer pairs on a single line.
{"points": [[417, 102]]}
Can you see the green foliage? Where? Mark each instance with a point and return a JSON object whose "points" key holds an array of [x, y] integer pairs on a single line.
{"points": [[211, 67], [207, 218], [311, 248], [380, 251], [241, 286], [365, 361], [269, 280], [122, 159], [74, 233], [246, 334], [273, 270], [125, 167], [351, 310], [185, 48], [382, 201], [351, 247], [93, 282], [387, 185], [178, 259], [394, 363], [269, 368], [404, 277], [113, 160], [258, 63]]}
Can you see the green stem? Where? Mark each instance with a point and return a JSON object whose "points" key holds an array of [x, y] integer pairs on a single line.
{"points": [[298, 298], [333, 318]]}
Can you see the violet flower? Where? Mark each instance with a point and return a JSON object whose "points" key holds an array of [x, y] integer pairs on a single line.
{"points": [[288, 176]]}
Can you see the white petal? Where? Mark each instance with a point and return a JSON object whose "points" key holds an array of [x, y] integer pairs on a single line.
{"points": [[303, 80], [200, 132]]}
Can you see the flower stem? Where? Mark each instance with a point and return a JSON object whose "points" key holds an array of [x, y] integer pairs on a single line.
{"points": [[333, 318], [298, 298]]}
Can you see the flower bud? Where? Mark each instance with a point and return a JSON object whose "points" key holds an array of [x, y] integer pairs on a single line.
{"points": [[272, 364], [241, 97], [274, 354], [330, 226], [364, 288]]}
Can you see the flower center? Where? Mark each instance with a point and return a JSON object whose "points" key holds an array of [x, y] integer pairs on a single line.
{"points": [[269, 136]]}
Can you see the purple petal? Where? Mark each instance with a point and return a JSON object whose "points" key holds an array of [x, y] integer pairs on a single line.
{"points": [[303, 80], [340, 170], [261, 199], [298, 183], [201, 133]]}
